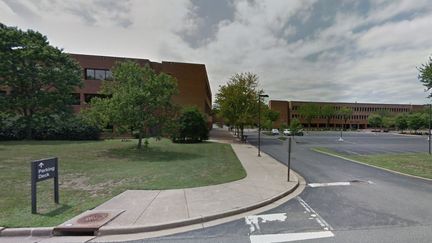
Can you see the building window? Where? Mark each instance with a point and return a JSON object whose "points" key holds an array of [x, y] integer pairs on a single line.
{"points": [[89, 97], [98, 74], [90, 74]]}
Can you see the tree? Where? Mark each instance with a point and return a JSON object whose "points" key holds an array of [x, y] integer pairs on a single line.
{"points": [[192, 126], [425, 75], [415, 121], [345, 113], [375, 120], [388, 122], [238, 100], [327, 111], [295, 126], [308, 112], [41, 78], [401, 122], [138, 98], [271, 116]]}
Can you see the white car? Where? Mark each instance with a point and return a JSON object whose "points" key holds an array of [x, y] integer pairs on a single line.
{"points": [[275, 131], [287, 132]]}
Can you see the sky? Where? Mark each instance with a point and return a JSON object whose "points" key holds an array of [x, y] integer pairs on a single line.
{"points": [[327, 50]]}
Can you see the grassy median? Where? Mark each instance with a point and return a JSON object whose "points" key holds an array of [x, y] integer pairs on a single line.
{"points": [[92, 172], [417, 164]]}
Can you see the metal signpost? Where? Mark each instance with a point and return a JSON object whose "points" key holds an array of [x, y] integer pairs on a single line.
{"points": [[42, 170], [430, 119], [289, 158]]}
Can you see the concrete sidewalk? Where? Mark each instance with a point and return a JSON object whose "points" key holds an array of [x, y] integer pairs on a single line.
{"points": [[160, 210], [148, 210]]}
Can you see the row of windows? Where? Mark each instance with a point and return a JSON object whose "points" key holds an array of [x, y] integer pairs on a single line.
{"points": [[354, 117], [98, 74], [367, 109]]}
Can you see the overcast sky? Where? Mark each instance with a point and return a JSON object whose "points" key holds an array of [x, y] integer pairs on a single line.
{"points": [[364, 51]]}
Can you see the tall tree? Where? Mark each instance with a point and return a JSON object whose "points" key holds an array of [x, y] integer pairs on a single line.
{"points": [[425, 75], [309, 112], [415, 121], [328, 111], [238, 100], [346, 114], [139, 99], [401, 122], [375, 120], [40, 78]]}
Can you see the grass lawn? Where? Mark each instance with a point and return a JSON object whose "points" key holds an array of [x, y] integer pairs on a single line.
{"points": [[418, 164], [91, 172]]}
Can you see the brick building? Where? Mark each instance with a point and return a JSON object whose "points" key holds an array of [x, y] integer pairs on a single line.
{"points": [[192, 80], [359, 119]]}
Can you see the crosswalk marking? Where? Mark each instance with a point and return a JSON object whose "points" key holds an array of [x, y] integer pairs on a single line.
{"points": [[290, 237]]}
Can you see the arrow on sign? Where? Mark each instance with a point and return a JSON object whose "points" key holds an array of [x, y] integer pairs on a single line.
{"points": [[41, 164]]}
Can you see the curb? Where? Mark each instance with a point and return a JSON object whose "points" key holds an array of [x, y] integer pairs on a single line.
{"points": [[374, 166], [113, 230], [38, 231]]}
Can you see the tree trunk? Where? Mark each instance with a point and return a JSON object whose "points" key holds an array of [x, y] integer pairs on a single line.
{"points": [[140, 136], [28, 119], [241, 133]]}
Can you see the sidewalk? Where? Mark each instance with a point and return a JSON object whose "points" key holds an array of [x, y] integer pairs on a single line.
{"points": [[151, 210]]}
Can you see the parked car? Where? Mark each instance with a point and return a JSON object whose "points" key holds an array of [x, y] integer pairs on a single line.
{"points": [[275, 131], [288, 132]]}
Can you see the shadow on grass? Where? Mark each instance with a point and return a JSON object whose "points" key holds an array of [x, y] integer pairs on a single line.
{"points": [[150, 154], [60, 210]]}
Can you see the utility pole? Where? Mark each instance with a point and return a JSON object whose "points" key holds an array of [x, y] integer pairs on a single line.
{"points": [[259, 122], [430, 119], [289, 159]]}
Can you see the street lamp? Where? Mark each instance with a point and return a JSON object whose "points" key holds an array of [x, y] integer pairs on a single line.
{"points": [[430, 119], [259, 122]]}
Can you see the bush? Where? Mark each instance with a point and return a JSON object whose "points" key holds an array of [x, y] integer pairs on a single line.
{"points": [[191, 126], [53, 127]]}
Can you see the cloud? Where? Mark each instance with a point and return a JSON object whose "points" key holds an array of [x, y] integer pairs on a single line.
{"points": [[365, 51]]}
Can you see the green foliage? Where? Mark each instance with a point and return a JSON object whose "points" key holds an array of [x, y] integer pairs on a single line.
{"points": [[308, 112], [401, 122], [40, 77], [295, 126], [425, 75], [328, 111], [388, 121], [238, 100], [140, 99], [346, 113], [52, 127], [375, 120], [192, 126], [415, 121]]}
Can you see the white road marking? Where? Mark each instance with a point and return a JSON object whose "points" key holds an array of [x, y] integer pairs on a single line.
{"points": [[254, 220], [290, 237], [324, 225], [329, 184]]}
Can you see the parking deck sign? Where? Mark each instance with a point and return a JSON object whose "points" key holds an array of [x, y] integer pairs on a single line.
{"points": [[42, 170]]}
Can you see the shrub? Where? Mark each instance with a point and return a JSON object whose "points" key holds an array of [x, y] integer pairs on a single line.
{"points": [[191, 126], [50, 127]]}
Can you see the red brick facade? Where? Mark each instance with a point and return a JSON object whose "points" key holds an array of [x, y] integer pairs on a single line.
{"points": [[192, 80], [359, 119]]}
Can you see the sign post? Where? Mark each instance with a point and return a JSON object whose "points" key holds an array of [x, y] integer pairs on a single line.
{"points": [[289, 159], [42, 170]]}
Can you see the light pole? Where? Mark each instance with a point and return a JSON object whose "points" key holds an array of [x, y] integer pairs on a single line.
{"points": [[259, 122], [430, 119]]}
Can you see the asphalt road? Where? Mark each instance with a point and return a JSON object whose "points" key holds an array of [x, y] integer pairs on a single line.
{"points": [[376, 206]]}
